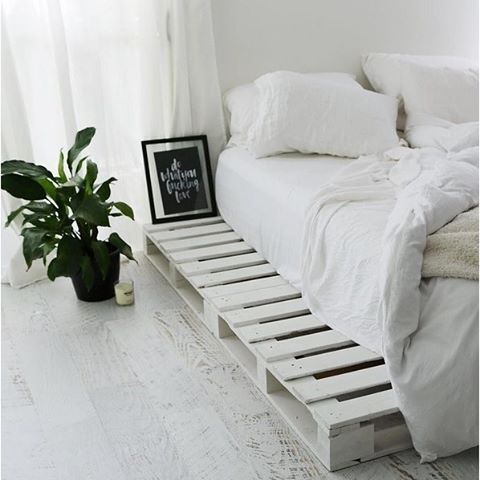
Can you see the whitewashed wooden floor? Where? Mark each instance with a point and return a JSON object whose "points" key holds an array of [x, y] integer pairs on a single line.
{"points": [[96, 391]]}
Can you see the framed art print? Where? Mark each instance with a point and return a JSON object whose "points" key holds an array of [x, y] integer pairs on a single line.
{"points": [[179, 178]]}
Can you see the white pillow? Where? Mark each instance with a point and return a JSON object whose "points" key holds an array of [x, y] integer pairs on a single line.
{"points": [[427, 131], [444, 92], [295, 114], [240, 103], [446, 87]]}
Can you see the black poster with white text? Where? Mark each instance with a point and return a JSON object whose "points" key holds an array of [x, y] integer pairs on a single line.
{"points": [[181, 180]]}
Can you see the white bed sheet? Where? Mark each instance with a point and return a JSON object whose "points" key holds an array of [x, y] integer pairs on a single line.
{"points": [[265, 201]]}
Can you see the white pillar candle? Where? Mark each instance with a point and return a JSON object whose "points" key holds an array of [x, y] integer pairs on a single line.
{"points": [[124, 294]]}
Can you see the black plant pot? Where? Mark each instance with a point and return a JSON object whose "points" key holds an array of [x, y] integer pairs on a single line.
{"points": [[102, 289]]}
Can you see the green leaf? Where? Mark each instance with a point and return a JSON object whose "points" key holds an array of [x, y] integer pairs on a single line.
{"points": [[25, 168], [40, 207], [49, 188], [125, 209], [61, 168], [102, 257], [75, 181], [124, 248], [11, 217], [61, 266], [22, 187], [76, 199], [88, 274], [57, 268], [69, 252], [41, 220], [69, 246], [78, 167], [90, 176], [93, 211], [82, 140], [103, 191], [43, 208], [47, 248], [33, 240]]}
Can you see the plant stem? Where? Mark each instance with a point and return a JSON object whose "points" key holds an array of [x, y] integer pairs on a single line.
{"points": [[84, 233]]}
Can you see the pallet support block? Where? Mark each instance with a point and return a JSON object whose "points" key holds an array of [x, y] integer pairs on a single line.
{"points": [[219, 327], [209, 316], [176, 279], [148, 246], [346, 447], [333, 393], [266, 381]]}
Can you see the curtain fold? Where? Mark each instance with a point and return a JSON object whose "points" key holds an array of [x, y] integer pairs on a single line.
{"points": [[197, 105], [135, 70]]}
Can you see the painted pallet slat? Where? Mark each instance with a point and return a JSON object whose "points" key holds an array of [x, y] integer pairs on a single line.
{"points": [[219, 264], [269, 330], [171, 246], [256, 297], [334, 414], [160, 227], [190, 232], [314, 390], [246, 316], [316, 342], [295, 368], [331, 391], [206, 253], [235, 275], [245, 286]]}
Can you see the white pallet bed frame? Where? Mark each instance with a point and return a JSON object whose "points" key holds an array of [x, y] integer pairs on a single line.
{"points": [[335, 394]]}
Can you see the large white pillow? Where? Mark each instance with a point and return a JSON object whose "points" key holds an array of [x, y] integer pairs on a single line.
{"points": [[240, 103], [295, 114], [444, 92], [445, 87]]}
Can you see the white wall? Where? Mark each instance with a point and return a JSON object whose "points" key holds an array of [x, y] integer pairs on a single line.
{"points": [[258, 36]]}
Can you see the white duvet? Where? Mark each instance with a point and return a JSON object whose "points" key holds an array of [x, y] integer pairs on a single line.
{"points": [[372, 290]]}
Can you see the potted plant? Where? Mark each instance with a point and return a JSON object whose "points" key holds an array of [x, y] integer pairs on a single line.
{"points": [[64, 213]]}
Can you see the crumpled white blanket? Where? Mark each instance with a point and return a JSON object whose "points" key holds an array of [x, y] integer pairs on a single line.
{"points": [[363, 251]]}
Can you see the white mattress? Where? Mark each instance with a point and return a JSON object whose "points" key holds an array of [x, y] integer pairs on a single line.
{"points": [[265, 201]]}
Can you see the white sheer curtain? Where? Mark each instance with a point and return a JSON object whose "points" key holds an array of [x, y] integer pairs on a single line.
{"points": [[134, 69]]}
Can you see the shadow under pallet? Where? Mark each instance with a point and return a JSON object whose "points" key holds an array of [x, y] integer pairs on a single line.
{"points": [[333, 393]]}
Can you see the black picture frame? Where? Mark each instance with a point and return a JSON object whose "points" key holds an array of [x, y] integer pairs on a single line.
{"points": [[177, 193]]}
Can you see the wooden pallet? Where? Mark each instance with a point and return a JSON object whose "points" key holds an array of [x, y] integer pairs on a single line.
{"points": [[335, 394]]}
